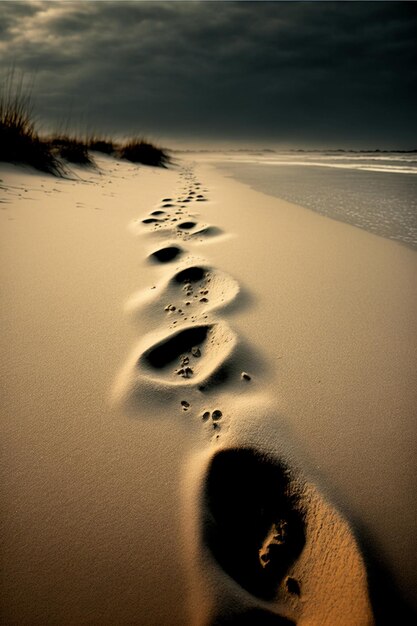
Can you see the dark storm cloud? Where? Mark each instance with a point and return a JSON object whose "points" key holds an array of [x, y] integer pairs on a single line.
{"points": [[300, 72]]}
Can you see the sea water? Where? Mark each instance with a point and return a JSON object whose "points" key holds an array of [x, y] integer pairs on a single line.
{"points": [[373, 191]]}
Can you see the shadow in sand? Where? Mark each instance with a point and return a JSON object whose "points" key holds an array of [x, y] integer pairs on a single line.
{"points": [[172, 348], [388, 604], [251, 522], [251, 617]]}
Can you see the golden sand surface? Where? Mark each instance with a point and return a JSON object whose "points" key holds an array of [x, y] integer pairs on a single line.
{"points": [[208, 402]]}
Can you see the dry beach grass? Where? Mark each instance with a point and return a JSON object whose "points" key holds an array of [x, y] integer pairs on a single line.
{"points": [[20, 142]]}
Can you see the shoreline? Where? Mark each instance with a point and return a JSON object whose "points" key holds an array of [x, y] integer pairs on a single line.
{"points": [[318, 351], [382, 203]]}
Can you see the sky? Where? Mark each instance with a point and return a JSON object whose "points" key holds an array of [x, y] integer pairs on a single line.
{"points": [[221, 74]]}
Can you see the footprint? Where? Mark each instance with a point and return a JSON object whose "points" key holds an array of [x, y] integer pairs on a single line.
{"points": [[188, 356], [202, 285], [174, 224], [188, 295], [150, 220], [251, 522], [166, 254], [207, 231], [191, 274], [187, 225]]}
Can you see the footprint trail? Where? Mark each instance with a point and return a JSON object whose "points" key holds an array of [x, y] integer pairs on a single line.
{"points": [[253, 516]]}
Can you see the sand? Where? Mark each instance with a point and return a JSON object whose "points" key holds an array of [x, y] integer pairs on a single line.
{"points": [[208, 403]]}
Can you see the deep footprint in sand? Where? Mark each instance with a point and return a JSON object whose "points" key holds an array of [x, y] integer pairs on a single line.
{"points": [[151, 220], [251, 522], [206, 231], [201, 287], [198, 232], [166, 254], [176, 224], [188, 356], [188, 295], [187, 225]]}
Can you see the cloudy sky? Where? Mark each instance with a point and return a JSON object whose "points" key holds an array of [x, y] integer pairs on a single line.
{"points": [[301, 74]]}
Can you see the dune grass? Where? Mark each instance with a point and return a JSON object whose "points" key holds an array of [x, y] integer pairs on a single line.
{"points": [[72, 149], [101, 144], [141, 151], [19, 141]]}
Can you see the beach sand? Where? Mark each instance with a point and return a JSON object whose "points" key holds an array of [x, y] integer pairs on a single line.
{"points": [[208, 405]]}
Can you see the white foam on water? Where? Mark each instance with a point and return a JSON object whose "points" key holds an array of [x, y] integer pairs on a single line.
{"points": [[376, 193]]}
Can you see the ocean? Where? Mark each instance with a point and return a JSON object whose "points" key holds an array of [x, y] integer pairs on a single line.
{"points": [[373, 191]]}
